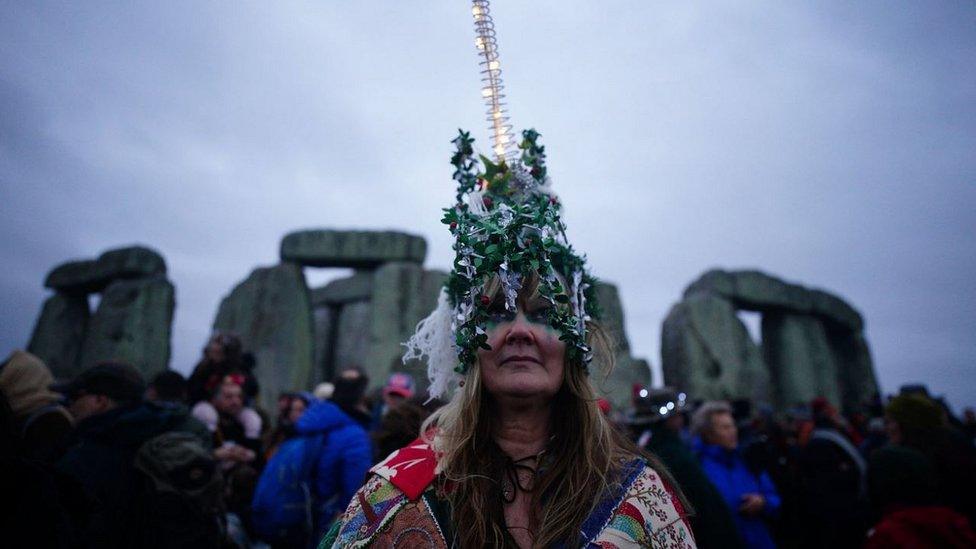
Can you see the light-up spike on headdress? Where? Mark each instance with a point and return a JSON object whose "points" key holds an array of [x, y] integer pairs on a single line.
{"points": [[507, 226], [502, 141]]}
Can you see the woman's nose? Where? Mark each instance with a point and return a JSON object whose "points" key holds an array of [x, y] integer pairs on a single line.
{"points": [[520, 331]]}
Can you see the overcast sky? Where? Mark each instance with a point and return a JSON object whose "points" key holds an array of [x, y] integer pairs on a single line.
{"points": [[829, 143]]}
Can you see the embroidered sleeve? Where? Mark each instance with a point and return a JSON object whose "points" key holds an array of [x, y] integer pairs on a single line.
{"points": [[370, 509], [650, 515]]}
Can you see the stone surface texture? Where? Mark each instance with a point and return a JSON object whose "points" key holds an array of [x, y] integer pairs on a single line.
{"points": [[271, 312], [358, 287], [800, 359], [404, 293], [616, 387], [758, 291], [80, 276], [356, 249], [812, 343], [706, 351], [132, 324], [59, 333], [88, 276]]}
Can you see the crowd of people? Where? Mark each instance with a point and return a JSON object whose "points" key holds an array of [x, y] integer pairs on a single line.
{"points": [[895, 474], [108, 459]]}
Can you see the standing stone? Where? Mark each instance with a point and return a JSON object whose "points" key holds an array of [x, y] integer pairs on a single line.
{"points": [[132, 324], [60, 332], [706, 352], [627, 371], [801, 363], [270, 311], [858, 384], [352, 342], [358, 287], [403, 294], [324, 318], [356, 249]]}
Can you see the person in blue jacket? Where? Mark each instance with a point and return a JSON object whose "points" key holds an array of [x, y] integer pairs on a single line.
{"points": [[330, 454], [346, 456], [751, 496]]}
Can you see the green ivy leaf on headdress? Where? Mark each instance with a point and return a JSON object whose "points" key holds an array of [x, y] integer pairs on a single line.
{"points": [[509, 227]]}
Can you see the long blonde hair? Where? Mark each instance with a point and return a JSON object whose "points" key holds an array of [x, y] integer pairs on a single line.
{"points": [[584, 458]]}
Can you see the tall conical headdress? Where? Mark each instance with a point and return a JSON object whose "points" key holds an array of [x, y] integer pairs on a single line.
{"points": [[506, 224]]}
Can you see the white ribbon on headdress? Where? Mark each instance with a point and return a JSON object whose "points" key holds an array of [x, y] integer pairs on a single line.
{"points": [[434, 339]]}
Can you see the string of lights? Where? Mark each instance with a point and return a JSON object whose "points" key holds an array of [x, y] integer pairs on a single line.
{"points": [[503, 141]]}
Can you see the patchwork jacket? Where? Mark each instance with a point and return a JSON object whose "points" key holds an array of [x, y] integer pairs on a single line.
{"points": [[398, 507]]}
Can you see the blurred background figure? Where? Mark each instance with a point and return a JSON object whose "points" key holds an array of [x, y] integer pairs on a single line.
{"points": [[126, 454], [349, 395], [969, 424], [312, 477], [657, 423], [168, 386], [324, 391], [236, 429], [223, 356], [39, 420], [917, 423], [751, 496], [291, 406], [832, 476], [918, 484], [399, 427], [399, 389]]}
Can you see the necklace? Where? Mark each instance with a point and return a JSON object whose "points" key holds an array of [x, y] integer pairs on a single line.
{"points": [[512, 483]]}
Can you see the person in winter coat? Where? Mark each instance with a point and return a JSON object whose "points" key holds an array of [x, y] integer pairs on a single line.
{"points": [[832, 475], [916, 422], [112, 424], [342, 461], [41, 423], [752, 497], [904, 489], [657, 423]]}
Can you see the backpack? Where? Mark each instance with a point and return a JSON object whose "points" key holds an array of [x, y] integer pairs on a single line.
{"points": [[180, 501], [284, 508]]}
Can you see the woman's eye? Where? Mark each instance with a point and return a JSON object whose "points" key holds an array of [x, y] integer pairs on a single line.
{"points": [[497, 313], [539, 315]]}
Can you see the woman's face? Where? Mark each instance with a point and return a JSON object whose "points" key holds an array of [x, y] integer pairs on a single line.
{"points": [[723, 431], [526, 357]]}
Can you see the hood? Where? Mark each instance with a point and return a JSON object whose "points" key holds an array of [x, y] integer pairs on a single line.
{"points": [[131, 425], [24, 380], [323, 416]]}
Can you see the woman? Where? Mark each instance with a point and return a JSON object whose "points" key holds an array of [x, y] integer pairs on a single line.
{"points": [[752, 497], [223, 356], [520, 457]]}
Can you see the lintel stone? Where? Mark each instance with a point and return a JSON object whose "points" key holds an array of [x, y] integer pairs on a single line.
{"points": [[355, 249]]}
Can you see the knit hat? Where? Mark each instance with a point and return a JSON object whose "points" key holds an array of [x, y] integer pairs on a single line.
{"points": [[915, 415]]}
